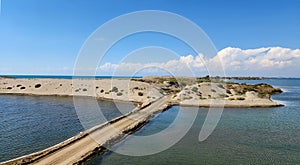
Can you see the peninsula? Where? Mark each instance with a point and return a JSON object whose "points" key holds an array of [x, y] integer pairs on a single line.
{"points": [[153, 95], [184, 90]]}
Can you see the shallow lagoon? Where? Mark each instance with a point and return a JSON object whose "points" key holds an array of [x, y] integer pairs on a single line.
{"points": [[243, 136]]}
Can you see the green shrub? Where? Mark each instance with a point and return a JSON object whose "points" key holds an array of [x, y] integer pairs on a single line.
{"points": [[114, 89], [228, 91], [240, 92], [221, 86], [173, 81], [140, 93], [250, 88], [223, 95], [194, 89], [119, 94], [36, 85], [202, 98], [240, 98], [261, 95]]}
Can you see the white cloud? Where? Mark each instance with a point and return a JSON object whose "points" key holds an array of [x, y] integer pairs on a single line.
{"points": [[259, 59], [268, 61]]}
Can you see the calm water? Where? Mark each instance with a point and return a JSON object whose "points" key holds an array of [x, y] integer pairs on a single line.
{"points": [[243, 136], [32, 123]]}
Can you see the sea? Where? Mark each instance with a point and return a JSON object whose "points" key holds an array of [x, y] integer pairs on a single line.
{"points": [[242, 136]]}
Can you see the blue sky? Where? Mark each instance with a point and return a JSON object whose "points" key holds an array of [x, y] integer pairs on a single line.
{"points": [[44, 37]]}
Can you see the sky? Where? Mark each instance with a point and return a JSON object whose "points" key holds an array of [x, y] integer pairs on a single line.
{"points": [[252, 38]]}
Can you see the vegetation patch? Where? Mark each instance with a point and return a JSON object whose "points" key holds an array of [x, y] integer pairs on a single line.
{"points": [[228, 91], [240, 98], [202, 98], [262, 95], [115, 89], [223, 95], [195, 89], [37, 85], [221, 86], [264, 90]]}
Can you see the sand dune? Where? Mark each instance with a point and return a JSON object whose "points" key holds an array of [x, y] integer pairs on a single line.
{"points": [[114, 89], [204, 94]]}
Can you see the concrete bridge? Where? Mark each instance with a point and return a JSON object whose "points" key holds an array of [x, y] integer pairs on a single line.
{"points": [[83, 146]]}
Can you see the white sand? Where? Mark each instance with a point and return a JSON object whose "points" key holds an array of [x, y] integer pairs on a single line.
{"points": [[202, 95], [127, 90]]}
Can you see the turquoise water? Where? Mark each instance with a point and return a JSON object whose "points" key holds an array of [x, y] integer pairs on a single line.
{"points": [[243, 136], [31, 123]]}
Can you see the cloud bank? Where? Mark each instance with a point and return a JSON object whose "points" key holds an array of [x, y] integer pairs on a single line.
{"points": [[268, 61]]}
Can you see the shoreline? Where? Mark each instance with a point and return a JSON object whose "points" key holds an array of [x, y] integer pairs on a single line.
{"points": [[130, 127], [230, 106], [36, 156], [151, 94], [139, 92], [96, 98], [277, 102]]}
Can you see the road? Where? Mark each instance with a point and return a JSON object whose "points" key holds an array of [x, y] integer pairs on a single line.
{"points": [[84, 147]]}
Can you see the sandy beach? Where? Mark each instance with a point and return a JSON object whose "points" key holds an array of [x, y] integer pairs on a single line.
{"points": [[205, 94], [151, 95], [111, 89]]}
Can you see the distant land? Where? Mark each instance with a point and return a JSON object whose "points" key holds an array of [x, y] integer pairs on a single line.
{"points": [[108, 77]]}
